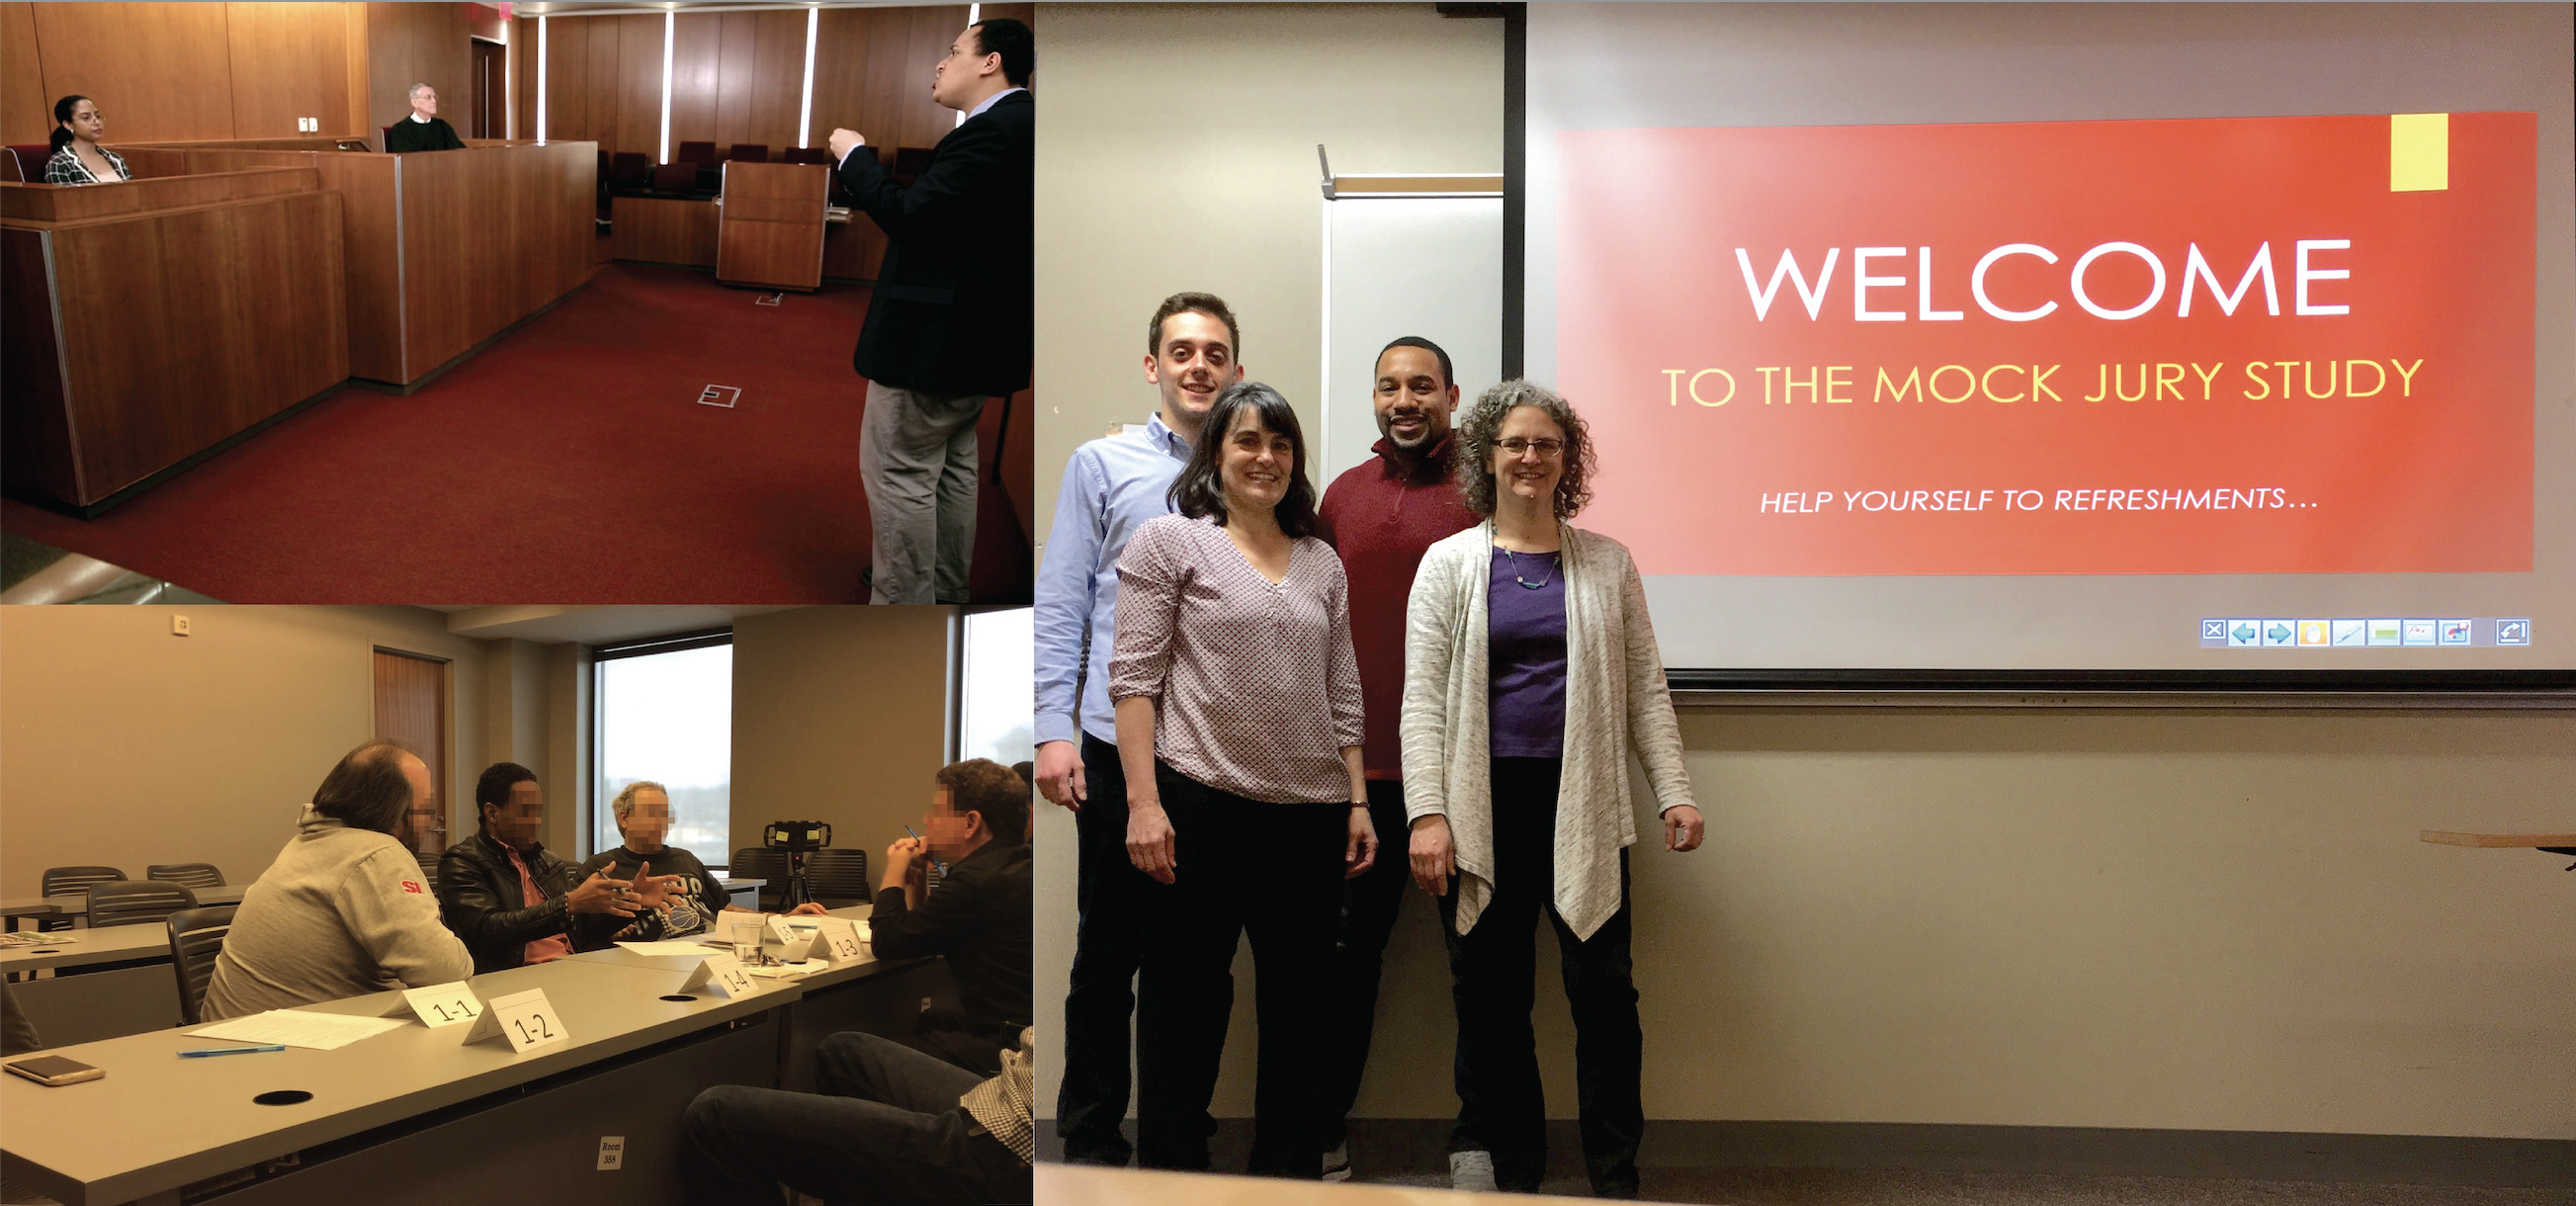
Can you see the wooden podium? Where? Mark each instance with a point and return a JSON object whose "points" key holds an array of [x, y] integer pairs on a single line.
{"points": [[770, 233]]}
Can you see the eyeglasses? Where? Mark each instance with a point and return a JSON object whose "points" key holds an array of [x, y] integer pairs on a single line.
{"points": [[1547, 449]]}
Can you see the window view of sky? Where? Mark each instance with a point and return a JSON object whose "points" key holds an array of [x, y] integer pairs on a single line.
{"points": [[668, 717], [1000, 687]]}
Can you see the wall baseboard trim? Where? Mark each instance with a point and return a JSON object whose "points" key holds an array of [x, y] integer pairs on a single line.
{"points": [[1421, 1145]]}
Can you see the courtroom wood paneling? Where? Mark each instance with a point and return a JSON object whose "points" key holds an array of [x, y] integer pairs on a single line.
{"points": [[489, 236], [664, 230], [44, 203], [872, 72], [567, 82], [181, 327], [639, 84], [35, 430], [158, 71], [696, 41], [605, 96], [758, 83], [418, 43], [288, 61], [26, 113], [772, 225], [853, 250]]}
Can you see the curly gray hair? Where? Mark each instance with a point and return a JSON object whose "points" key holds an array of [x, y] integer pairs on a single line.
{"points": [[1484, 423]]}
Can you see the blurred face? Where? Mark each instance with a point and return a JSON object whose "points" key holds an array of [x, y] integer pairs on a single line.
{"points": [[1194, 365], [953, 82], [951, 834], [424, 795], [1414, 402], [649, 824], [425, 102], [85, 124], [1532, 471], [517, 823], [1254, 463]]}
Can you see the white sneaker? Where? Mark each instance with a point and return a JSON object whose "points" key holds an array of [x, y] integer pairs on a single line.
{"points": [[1472, 1171], [1337, 1162]]}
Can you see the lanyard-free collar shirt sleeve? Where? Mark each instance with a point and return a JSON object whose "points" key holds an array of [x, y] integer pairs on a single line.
{"points": [[1112, 485], [1256, 689], [1616, 706]]}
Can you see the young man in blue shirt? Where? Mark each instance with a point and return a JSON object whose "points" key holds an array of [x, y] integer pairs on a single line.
{"points": [[1111, 485]]}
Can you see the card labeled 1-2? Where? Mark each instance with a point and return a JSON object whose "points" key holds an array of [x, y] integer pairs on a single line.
{"points": [[526, 1019], [443, 1004], [724, 974]]}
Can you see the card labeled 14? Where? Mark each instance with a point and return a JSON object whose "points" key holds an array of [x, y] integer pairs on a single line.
{"points": [[524, 1018], [724, 974]]}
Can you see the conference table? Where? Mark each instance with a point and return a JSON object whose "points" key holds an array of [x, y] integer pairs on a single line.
{"points": [[744, 892], [415, 1115]]}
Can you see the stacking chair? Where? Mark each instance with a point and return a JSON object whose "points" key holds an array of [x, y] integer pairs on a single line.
{"points": [[629, 169], [748, 152], [761, 862], [135, 902], [702, 154], [186, 875], [73, 881], [675, 178], [838, 877], [196, 937]]}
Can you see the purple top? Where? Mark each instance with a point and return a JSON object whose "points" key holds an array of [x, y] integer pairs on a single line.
{"points": [[1527, 628]]}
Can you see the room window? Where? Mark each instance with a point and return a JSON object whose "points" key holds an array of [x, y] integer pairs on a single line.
{"points": [[997, 692], [665, 714]]}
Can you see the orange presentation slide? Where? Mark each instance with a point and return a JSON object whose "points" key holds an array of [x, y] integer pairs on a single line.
{"points": [[2238, 345]]}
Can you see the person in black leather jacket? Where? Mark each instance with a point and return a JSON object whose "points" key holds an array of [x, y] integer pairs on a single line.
{"points": [[508, 897]]}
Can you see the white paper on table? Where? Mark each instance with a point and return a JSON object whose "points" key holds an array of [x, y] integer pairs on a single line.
{"points": [[297, 1028], [790, 971], [667, 946]]}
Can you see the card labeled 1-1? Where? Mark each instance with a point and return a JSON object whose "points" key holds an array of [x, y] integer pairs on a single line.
{"points": [[443, 1004], [724, 974], [524, 1018], [842, 939]]}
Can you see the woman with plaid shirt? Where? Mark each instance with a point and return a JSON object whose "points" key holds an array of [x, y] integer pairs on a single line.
{"points": [[77, 157]]}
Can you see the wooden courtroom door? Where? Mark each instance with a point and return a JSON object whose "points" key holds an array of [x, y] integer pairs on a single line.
{"points": [[491, 76], [411, 704]]}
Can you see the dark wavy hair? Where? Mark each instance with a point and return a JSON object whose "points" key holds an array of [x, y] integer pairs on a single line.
{"points": [[1199, 492], [981, 785], [63, 113], [1484, 423], [1012, 40], [367, 789], [1192, 303]]}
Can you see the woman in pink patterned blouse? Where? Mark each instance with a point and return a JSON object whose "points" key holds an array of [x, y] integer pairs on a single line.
{"points": [[1238, 710]]}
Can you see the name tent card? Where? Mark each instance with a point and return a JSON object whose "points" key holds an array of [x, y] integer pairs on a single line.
{"points": [[724, 974], [841, 939], [441, 1004], [524, 1018]]}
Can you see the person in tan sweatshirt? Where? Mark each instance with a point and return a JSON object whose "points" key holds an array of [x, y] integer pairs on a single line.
{"points": [[343, 911]]}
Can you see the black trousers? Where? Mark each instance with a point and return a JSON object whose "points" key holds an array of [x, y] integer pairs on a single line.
{"points": [[1274, 872], [1117, 903], [1493, 976], [1369, 905]]}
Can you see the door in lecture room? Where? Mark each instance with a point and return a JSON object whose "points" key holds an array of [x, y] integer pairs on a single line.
{"points": [[491, 77], [411, 704]]}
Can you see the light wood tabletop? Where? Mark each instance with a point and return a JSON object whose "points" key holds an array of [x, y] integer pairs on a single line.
{"points": [[2531, 841]]}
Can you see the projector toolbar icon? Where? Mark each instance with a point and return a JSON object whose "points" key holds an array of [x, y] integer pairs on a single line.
{"points": [[2312, 632], [2455, 632], [2244, 634], [2513, 632], [2419, 632], [2387, 632], [2213, 630], [2348, 632], [2279, 632]]}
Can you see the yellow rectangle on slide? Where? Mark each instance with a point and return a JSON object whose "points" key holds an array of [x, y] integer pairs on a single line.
{"points": [[2419, 152]]}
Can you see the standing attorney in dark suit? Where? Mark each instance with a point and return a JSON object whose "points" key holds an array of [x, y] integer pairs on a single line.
{"points": [[950, 323], [424, 130]]}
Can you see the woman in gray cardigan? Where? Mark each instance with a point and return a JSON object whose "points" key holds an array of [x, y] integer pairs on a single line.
{"points": [[1530, 678]]}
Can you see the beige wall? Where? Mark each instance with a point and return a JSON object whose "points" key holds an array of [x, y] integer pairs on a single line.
{"points": [[1182, 156], [839, 715], [125, 745], [2203, 920]]}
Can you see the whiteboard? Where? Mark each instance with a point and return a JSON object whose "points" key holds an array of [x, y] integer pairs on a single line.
{"points": [[1395, 266]]}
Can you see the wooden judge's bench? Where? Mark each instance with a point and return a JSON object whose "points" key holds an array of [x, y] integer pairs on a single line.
{"points": [[152, 322]]}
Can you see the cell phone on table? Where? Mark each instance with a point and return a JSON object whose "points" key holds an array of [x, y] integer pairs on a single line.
{"points": [[54, 1070]]}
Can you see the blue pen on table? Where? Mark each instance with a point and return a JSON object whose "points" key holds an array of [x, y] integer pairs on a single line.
{"points": [[204, 1052]]}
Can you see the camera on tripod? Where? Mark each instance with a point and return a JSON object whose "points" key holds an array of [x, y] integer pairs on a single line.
{"points": [[798, 839]]}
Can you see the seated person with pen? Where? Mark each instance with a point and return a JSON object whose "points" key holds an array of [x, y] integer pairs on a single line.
{"points": [[341, 912], [512, 900], [643, 811], [979, 918]]}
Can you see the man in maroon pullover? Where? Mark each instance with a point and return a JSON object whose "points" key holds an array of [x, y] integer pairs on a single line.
{"points": [[1380, 516]]}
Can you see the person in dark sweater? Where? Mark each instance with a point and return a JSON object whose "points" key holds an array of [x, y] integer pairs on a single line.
{"points": [[978, 919], [695, 896], [1379, 516], [424, 130]]}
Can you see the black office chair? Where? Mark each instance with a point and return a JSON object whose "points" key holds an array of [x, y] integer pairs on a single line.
{"points": [[196, 937], [761, 862], [429, 871], [135, 902], [675, 178], [838, 877], [73, 881], [748, 152], [186, 875], [702, 154]]}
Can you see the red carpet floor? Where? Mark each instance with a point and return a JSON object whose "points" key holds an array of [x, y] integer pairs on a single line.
{"points": [[568, 463]]}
